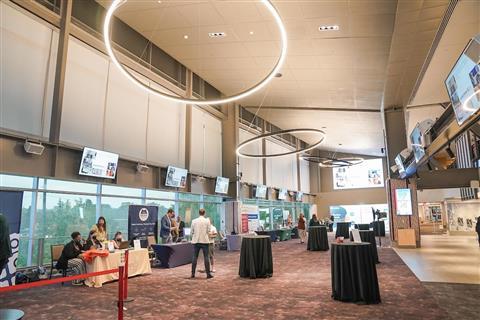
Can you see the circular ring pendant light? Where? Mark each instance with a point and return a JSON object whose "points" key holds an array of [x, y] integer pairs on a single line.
{"points": [[276, 155], [283, 35], [325, 162]]}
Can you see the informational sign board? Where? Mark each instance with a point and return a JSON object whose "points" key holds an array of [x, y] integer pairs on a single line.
{"points": [[142, 222], [98, 163], [249, 218]]}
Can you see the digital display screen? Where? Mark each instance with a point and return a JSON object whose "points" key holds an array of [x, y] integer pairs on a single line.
{"points": [[463, 83], [97, 163], [261, 191], [221, 186], [399, 163], [403, 201], [282, 194], [368, 174], [417, 146], [299, 196], [176, 177]]}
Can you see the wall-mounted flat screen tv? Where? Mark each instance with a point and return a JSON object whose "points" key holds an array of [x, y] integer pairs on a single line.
{"points": [[176, 177], [417, 146], [463, 82], [282, 194], [261, 191], [403, 202], [221, 186], [299, 196], [368, 174], [399, 163], [98, 163]]}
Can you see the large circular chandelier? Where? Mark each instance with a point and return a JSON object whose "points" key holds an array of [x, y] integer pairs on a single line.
{"points": [[332, 162], [276, 155], [283, 35]]}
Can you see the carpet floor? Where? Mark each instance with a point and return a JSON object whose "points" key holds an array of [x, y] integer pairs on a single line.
{"points": [[299, 289]]}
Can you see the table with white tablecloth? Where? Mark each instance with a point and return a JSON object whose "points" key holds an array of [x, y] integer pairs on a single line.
{"points": [[138, 263]]}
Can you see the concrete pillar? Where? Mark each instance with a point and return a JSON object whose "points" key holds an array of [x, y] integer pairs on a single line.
{"points": [[395, 135]]}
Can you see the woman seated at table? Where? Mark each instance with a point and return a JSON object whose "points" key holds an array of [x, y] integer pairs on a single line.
{"points": [[92, 242], [314, 221], [117, 240], [100, 229], [71, 257]]}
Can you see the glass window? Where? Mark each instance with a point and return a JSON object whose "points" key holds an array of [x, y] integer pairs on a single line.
{"points": [[11, 181], [67, 186], [188, 211], [25, 229], [189, 197], [158, 194], [121, 191], [213, 211], [58, 215], [163, 207], [115, 211], [216, 199]]}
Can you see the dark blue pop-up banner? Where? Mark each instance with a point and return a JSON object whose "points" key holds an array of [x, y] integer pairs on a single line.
{"points": [[142, 222], [11, 209]]}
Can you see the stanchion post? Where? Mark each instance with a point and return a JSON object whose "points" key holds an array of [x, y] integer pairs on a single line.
{"points": [[125, 289], [120, 291]]}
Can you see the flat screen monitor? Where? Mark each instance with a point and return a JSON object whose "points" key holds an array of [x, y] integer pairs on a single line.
{"points": [[463, 82], [299, 196], [282, 194], [368, 174], [399, 163], [261, 191], [221, 186], [403, 201], [176, 177], [417, 146], [97, 163]]}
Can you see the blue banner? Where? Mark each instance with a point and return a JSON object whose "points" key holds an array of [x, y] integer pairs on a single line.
{"points": [[11, 209], [142, 222]]}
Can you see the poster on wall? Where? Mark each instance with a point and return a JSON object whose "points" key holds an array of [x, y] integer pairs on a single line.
{"points": [[98, 163], [11, 212], [368, 174], [142, 222], [249, 218]]}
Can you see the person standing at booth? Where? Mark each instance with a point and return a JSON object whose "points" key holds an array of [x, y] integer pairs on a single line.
{"points": [[166, 226], [200, 231], [100, 230], [302, 233]]}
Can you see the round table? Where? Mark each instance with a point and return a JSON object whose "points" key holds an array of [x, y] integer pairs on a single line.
{"points": [[343, 229], [317, 239], [256, 257], [354, 274], [368, 236], [11, 314], [362, 226]]}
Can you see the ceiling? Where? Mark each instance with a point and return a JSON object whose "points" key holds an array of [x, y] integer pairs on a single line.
{"points": [[347, 71]]}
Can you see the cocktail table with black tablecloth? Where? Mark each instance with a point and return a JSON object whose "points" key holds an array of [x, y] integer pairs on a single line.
{"points": [[362, 226], [273, 234], [343, 230], [172, 255], [368, 236], [317, 239], [256, 257], [354, 274], [378, 228]]}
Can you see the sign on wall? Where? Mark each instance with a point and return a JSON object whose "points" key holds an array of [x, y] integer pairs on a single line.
{"points": [[249, 218], [11, 209], [142, 222], [368, 174]]}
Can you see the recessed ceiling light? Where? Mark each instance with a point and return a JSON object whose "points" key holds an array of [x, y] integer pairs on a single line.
{"points": [[185, 36], [251, 32], [329, 28], [159, 1], [324, 127], [217, 34], [278, 75]]}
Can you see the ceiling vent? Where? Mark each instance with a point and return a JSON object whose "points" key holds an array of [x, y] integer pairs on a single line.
{"points": [[329, 28], [217, 34]]}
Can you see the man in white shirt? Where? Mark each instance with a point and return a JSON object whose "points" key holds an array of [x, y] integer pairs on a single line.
{"points": [[200, 232], [211, 246]]}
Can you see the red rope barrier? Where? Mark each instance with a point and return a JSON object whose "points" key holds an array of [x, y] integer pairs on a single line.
{"points": [[53, 281]]}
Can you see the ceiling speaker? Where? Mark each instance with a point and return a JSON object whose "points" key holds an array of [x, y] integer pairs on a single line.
{"points": [[142, 168], [33, 148]]}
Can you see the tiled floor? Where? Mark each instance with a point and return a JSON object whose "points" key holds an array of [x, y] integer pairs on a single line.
{"points": [[445, 259], [299, 289]]}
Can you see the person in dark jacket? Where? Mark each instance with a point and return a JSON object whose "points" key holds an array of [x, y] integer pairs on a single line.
{"points": [[92, 242], [477, 228], [5, 248], [314, 221], [71, 257]]}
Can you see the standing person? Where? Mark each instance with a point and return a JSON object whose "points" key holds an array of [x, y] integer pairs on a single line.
{"points": [[314, 221], [200, 230], [166, 226], [289, 221], [211, 245], [181, 227], [477, 228], [174, 229], [100, 229], [5, 247], [71, 257], [302, 233]]}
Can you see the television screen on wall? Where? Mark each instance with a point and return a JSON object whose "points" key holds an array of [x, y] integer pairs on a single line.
{"points": [[261, 191], [176, 177], [368, 174], [97, 163], [399, 163], [282, 194], [403, 202], [463, 82], [299, 196], [221, 186], [417, 146]]}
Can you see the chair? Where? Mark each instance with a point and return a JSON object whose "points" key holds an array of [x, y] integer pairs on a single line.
{"points": [[56, 252]]}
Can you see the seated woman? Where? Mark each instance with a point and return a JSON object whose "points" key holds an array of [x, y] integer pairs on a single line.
{"points": [[71, 257], [92, 241], [100, 229], [314, 221], [117, 239]]}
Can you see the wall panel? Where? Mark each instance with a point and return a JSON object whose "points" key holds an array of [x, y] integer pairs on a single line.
{"points": [[281, 172], [251, 169], [305, 176]]}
